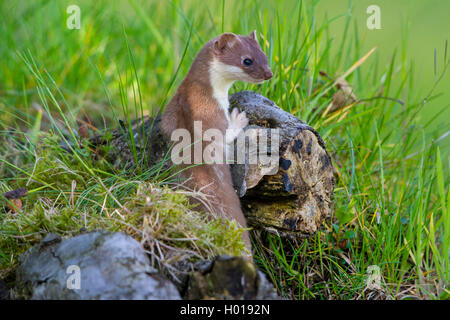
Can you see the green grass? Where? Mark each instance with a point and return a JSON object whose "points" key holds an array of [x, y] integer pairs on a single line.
{"points": [[392, 198]]}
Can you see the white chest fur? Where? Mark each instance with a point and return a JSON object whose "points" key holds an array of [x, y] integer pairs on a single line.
{"points": [[222, 77]]}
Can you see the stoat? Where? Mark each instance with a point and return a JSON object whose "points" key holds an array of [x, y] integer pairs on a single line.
{"points": [[203, 96]]}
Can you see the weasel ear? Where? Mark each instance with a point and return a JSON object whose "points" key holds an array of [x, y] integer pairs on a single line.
{"points": [[253, 35], [226, 40]]}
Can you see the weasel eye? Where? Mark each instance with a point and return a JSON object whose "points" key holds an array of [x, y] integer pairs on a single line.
{"points": [[248, 62]]}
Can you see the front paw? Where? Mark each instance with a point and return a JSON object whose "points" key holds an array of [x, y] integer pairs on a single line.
{"points": [[238, 120]]}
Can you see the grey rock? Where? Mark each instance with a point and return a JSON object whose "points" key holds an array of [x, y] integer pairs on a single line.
{"points": [[110, 265]]}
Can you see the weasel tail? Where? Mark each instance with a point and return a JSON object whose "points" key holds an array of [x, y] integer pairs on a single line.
{"points": [[201, 104]]}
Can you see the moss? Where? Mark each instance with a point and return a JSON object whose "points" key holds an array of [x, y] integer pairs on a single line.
{"points": [[166, 216], [56, 167]]}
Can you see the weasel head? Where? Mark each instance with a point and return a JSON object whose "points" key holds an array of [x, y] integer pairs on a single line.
{"points": [[240, 58]]}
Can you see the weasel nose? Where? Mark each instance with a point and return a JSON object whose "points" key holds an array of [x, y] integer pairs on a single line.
{"points": [[268, 74]]}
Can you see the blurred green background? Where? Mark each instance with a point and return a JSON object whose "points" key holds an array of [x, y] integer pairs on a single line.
{"points": [[421, 26]]}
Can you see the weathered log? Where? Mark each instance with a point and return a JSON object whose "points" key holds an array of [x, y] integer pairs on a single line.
{"points": [[292, 201]]}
